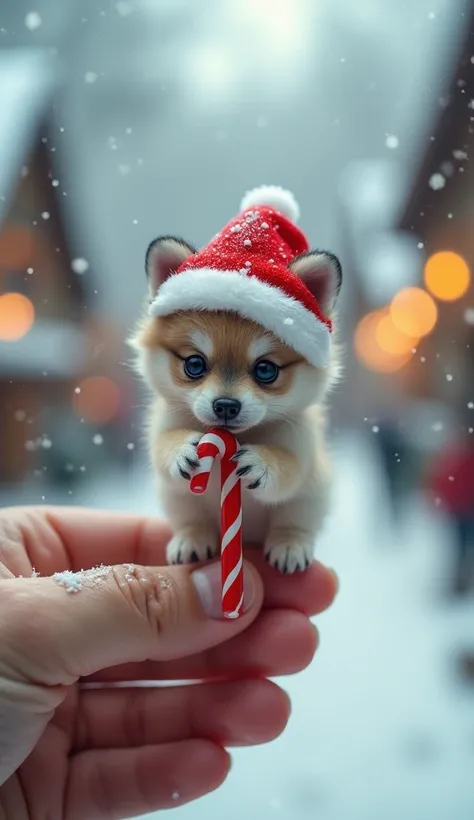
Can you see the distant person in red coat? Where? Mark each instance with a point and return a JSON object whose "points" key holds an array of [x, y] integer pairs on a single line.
{"points": [[452, 483]]}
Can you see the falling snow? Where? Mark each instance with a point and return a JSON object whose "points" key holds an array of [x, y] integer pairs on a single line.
{"points": [[470, 405], [130, 445], [392, 141], [449, 377], [375, 428], [97, 439], [79, 265], [437, 182], [45, 215], [458, 154], [288, 321], [469, 316], [55, 183], [90, 77], [33, 20]]}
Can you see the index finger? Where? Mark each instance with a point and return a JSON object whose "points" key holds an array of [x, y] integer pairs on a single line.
{"points": [[59, 538]]}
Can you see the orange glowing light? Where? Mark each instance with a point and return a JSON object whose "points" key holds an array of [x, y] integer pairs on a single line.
{"points": [[96, 400], [413, 312], [447, 276], [368, 349], [17, 315], [391, 340]]}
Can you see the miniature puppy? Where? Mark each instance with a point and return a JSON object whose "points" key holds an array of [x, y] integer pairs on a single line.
{"points": [[209, 364]]}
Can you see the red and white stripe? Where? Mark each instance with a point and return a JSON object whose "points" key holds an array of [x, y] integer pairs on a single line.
{"points": [[219, 442]]}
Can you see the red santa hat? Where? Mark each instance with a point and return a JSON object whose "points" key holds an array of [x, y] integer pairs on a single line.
{"points": [[259, 266]]}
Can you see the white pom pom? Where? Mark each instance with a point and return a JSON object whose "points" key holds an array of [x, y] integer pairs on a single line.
{"points": [[274, 197]]}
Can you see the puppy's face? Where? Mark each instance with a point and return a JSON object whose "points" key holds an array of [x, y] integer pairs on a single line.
{"points": [[227, 370]]}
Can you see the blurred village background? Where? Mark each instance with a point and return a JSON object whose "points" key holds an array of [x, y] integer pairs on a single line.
{"points": [[123, 120]]}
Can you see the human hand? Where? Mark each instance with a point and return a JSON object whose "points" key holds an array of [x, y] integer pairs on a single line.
{"points": [[72, 745]]}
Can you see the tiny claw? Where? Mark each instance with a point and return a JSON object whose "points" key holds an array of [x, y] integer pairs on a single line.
{"points": [[243, 470], [255, 484], [192, 462], [184, 474], [194, 557], [238, 454], [209, 553]]}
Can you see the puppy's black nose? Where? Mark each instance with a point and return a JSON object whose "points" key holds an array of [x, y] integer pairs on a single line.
{"points": [[226, 409]]}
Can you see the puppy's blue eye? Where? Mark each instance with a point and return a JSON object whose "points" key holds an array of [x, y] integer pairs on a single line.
{"points": [[266, 372], [194, 367]]}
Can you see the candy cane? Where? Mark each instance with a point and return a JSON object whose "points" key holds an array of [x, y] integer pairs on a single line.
{"points": [[218, 442]]}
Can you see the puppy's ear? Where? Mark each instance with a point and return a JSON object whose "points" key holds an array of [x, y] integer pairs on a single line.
{"points": [[163, 257], [321, 272]]}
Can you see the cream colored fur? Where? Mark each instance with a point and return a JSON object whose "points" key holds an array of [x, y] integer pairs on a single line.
{"points": [[282, 436]]}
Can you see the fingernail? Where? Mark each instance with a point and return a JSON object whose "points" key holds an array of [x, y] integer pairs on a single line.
{"points": [[208, 584], [336, 579]]}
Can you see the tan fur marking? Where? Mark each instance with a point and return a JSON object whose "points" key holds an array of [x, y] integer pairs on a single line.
{"points": [[231, 337]]}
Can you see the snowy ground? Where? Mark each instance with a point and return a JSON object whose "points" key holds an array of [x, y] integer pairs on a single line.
{"points": [[381, 728]]}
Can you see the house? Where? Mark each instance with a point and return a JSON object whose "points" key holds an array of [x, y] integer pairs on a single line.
{"points": [[58, 358]]}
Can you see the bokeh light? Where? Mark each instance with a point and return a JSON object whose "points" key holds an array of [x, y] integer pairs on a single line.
{"points": [[96, 400], [391, 340], [17, 315], [368, 349], [413, 312], [447, 275]]}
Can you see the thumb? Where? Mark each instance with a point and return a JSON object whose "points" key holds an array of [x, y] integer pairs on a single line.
{"points": [[60, 628]]}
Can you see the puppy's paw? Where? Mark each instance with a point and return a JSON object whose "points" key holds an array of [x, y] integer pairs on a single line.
{"points": [[194, 543], [255, 473], [184, 460], [289, 550]]}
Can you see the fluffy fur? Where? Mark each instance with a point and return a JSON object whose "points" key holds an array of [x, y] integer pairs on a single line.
{"points": [[276, 197], [208, 288], [283, 460]]}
